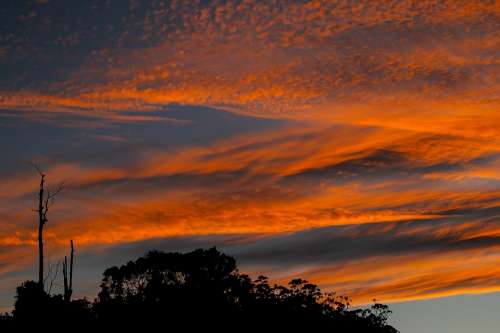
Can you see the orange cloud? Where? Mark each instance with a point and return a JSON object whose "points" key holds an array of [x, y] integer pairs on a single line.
{"points": [[376, 58], [393, 110], [410, 277]]}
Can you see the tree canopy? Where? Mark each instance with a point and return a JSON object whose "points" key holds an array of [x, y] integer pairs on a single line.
{"points": [[198, 288]]}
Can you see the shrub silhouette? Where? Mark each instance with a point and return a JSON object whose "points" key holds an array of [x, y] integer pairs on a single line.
{"points": [[34, 305], [202, 288]]}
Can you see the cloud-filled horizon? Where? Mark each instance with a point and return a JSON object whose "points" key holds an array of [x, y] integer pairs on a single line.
{"points": [[352, 143]]}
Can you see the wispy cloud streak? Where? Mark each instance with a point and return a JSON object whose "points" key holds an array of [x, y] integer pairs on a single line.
{"points": [[355, 143]]}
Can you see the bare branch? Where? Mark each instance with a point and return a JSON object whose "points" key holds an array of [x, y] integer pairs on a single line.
{"points": [[49, 199], [48, 274], [34, 165], [52, 276], [45, 199], [52, 195]]}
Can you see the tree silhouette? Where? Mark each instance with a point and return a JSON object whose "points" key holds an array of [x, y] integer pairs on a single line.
{"points": [[205, 286], [198, 289], [45, 199], [68, 287], [35, 307]]}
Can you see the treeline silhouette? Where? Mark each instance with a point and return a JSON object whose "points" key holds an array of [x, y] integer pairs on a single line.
{"points": [[199, 289]]}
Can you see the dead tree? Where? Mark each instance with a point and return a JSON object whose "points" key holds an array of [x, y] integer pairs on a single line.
{"points": [[45, 199], [68, 283]]}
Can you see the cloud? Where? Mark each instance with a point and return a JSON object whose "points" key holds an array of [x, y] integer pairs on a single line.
{"points": [[349, 61], [363, 132], [274, 181], [391, 261]]}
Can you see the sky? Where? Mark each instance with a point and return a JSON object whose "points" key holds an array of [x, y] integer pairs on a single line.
{"points": [[352, 143]]}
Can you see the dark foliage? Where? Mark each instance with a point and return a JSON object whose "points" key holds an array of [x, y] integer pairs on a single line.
{"points": [[202, 288], [34, 305]]}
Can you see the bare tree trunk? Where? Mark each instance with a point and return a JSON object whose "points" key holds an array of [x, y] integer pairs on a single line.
{"points": [[65, 278], [68, 283], [41, 223], [44, 202], [71, 270]]}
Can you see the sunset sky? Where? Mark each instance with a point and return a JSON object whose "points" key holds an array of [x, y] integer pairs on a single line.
{"points": [[352, 143]]}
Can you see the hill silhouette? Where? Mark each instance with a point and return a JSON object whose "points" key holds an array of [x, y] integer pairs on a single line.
{"points": [[199, 289]]}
